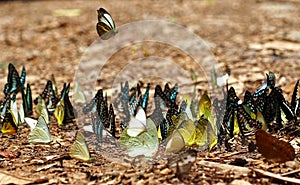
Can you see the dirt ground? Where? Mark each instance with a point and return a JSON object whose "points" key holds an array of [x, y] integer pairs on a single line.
{"points": [[250, 37]]}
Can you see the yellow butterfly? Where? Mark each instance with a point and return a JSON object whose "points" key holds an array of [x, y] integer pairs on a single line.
{"points": [[9, 125], [41, 109], [40, 133], [79, 150], [59, 112], [106, 25], [175, 142]]}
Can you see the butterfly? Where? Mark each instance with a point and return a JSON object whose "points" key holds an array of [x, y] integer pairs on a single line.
{"points": [[27, 101], [59, 112], [69, 111], [31, 122], [145, 143], [78, 94], [79, 149], [295, 102], [175, 143], [269, 83], [181, 133], [236, 118], [137, 124], [13, 84], [249, 103], [49, 97], [23, 77], [18, 115], [109, 123], [128, 103], [272, 148], [41, 109], [277, 108], [136, 99], [181, 165], [9, 125], [40, 134], [92, 105], [106, 25], [97, 125]]}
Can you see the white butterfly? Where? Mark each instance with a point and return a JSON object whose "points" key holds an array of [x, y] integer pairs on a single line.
{"points": [[15, 113], [41, 133], [137, 124], [31, 122], [79, 150]]}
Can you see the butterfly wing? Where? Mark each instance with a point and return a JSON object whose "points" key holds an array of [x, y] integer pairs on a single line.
{"points": [[13, 81], [137, 124], [31, 122], [144, 144], [79, 149], [175, 143], [59, 112], [106, 25], [8, 124], [41, 133], [295, 102]]}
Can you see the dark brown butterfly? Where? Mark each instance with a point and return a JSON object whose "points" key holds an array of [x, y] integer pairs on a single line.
{"points": [[273, 149]]}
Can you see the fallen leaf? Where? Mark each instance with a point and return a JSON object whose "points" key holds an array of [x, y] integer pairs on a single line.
{"points": [[12, 155], [273, 149]]}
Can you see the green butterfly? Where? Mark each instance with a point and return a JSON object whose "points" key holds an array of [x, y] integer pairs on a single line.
{"points": [[139, 137]]}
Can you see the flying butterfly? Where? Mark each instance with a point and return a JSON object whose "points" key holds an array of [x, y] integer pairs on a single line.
{"points": [[79, 149], [106, 25], [40, 134]]}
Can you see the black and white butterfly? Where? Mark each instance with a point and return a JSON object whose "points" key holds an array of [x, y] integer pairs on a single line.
{"points": [[106, 25]]}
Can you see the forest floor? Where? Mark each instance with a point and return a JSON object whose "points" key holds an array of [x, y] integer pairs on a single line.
{"points": [[51, 37]]}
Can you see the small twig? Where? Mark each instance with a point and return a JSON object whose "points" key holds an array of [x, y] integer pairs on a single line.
{"points": [[238, 170], [291, 172], [277, 176]]}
